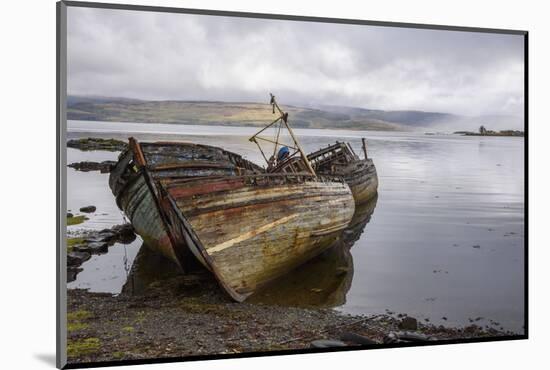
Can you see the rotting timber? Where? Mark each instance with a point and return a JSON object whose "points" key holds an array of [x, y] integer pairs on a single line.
{"points": [[340, 160], [246, 225]]}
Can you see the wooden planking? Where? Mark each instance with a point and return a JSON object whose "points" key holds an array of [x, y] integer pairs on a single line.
{"points": [[193, 172], [218, 221], [199, 188], [250, 234], [363, 192], [258, 194], [363, 181], [360, 175], [138, 204], [252, 245]]}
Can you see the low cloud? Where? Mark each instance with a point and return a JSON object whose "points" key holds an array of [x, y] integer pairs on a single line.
{"points": [[164, 56]]}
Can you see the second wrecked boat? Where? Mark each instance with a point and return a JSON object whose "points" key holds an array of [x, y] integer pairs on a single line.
{"points": [[340, 160]]}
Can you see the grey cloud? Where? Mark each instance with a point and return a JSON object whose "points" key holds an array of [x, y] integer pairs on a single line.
{"points": [[197, 57]]}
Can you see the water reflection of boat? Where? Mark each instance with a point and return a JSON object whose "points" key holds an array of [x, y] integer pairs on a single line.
{"points": [[247, 228], [325, 280], [151, 270], [361, 218]]}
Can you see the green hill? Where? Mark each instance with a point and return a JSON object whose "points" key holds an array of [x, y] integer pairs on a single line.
{"points": [[214, 113]]}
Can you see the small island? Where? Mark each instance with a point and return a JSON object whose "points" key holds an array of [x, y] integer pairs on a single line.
{"points": [[484, 132]]}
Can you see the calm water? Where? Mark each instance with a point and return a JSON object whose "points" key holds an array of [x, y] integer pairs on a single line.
{"points": [[439, 196]]}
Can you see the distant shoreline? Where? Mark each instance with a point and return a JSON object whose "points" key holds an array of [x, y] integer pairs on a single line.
{"points": [[504, 133], [216, 125], [254, 124]]}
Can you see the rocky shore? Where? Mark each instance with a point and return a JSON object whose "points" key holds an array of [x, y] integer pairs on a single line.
{"points": [[87, 166], [92, 143], [190, 317], [80, 248], [514, 133]]}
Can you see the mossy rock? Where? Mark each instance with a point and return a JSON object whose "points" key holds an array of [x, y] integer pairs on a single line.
{"points": [[77, 348], [74, 241], [76, 326], [76, 220], [71, 242], [74, 320], [79, 315]]}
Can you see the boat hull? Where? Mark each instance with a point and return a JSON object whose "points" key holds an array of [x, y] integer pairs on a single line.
{"points": [[362, 180], [250, 235]]}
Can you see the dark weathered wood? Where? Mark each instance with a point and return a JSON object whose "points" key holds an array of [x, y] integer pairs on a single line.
{"points": [[138, 154]]}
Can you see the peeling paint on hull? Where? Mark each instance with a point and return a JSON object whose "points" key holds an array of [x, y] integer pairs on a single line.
{"points": [[139, 206]]}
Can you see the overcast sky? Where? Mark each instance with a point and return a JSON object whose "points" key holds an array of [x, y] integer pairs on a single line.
{"points": [[165, 56]]}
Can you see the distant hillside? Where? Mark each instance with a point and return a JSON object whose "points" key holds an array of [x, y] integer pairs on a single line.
{"points": [[94, 108], [214, 113], [431, 120], [409, 118]]}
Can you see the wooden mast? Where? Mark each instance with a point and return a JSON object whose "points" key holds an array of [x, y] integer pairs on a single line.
{"points": [[364, 147], [284, 118]]}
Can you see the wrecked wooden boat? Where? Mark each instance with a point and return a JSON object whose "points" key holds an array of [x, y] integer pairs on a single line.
{"points": [[340, 160], [246, 225], [247, 228]]}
